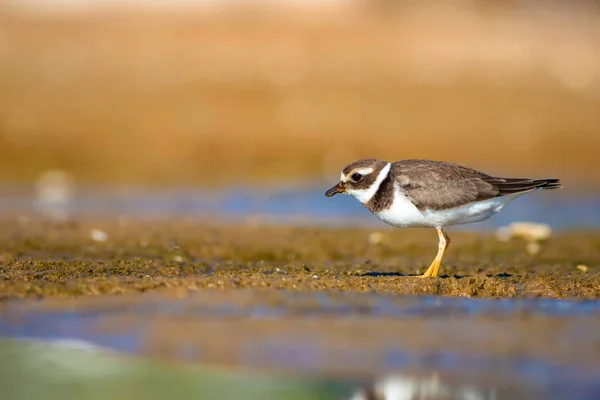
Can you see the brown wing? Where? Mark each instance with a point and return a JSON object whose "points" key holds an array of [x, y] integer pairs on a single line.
{"points": [[439, 185]]}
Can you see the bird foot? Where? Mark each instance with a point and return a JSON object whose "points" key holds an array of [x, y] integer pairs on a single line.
{"points": [[432, 271]]}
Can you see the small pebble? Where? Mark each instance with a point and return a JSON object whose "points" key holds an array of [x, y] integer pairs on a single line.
{"points": [[530, 231], [583, 268], [376, 238], [315, 277], [533, 247], [98, 235]]}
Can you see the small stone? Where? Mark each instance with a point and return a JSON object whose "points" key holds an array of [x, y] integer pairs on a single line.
{"points": [[533, 247], [376, 238], [583, 268], [98, 235], [530, 231], [315, 277]]}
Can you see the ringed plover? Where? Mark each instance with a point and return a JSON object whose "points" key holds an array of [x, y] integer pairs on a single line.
{"points": [[425, 193]]}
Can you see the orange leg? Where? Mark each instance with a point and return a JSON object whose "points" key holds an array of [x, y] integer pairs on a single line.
{"points": [[444, 242]]}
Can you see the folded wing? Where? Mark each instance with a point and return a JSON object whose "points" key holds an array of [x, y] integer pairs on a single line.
{"points": [[437, 185]]}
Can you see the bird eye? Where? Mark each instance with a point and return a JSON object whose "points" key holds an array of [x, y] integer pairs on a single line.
{"points": [[356, 177]]}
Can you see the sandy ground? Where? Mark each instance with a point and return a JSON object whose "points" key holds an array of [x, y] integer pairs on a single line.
{"points": [[43, 259], [189, 291]]}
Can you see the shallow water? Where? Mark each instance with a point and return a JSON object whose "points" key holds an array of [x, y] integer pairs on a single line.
{"points": [[560, 209], [278, 344], [269, 344]]}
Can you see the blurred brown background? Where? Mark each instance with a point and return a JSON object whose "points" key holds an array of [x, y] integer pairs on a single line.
{"points": [[264, 92]]}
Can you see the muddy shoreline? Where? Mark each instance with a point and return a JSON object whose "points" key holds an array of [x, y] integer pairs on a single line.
{"points": [[290, 304], [110, 256]]}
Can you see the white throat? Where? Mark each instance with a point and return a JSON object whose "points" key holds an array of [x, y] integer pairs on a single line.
{"points": [[364, 195]]}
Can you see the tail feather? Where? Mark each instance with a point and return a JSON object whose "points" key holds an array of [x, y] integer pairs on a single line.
{"points": [[508, 186], [550, 183]]}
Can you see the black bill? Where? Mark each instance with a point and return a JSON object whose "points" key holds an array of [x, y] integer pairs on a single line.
{"points": [[335, 190]]}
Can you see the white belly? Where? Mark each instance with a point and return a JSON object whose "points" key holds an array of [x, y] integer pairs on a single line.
{"points": [[404, 214]]}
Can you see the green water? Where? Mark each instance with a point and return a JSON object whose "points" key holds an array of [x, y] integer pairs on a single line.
{"points": [[45, 370]]}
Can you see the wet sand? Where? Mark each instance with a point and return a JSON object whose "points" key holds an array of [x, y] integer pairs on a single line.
{"points": [[49, 259], [349, 319]]}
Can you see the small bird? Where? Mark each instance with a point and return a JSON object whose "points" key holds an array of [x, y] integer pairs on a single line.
{"points": [[426, 193]]}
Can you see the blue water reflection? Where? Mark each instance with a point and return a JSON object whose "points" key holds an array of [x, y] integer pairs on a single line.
{"points": [[306, 349], [299, 205]]}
